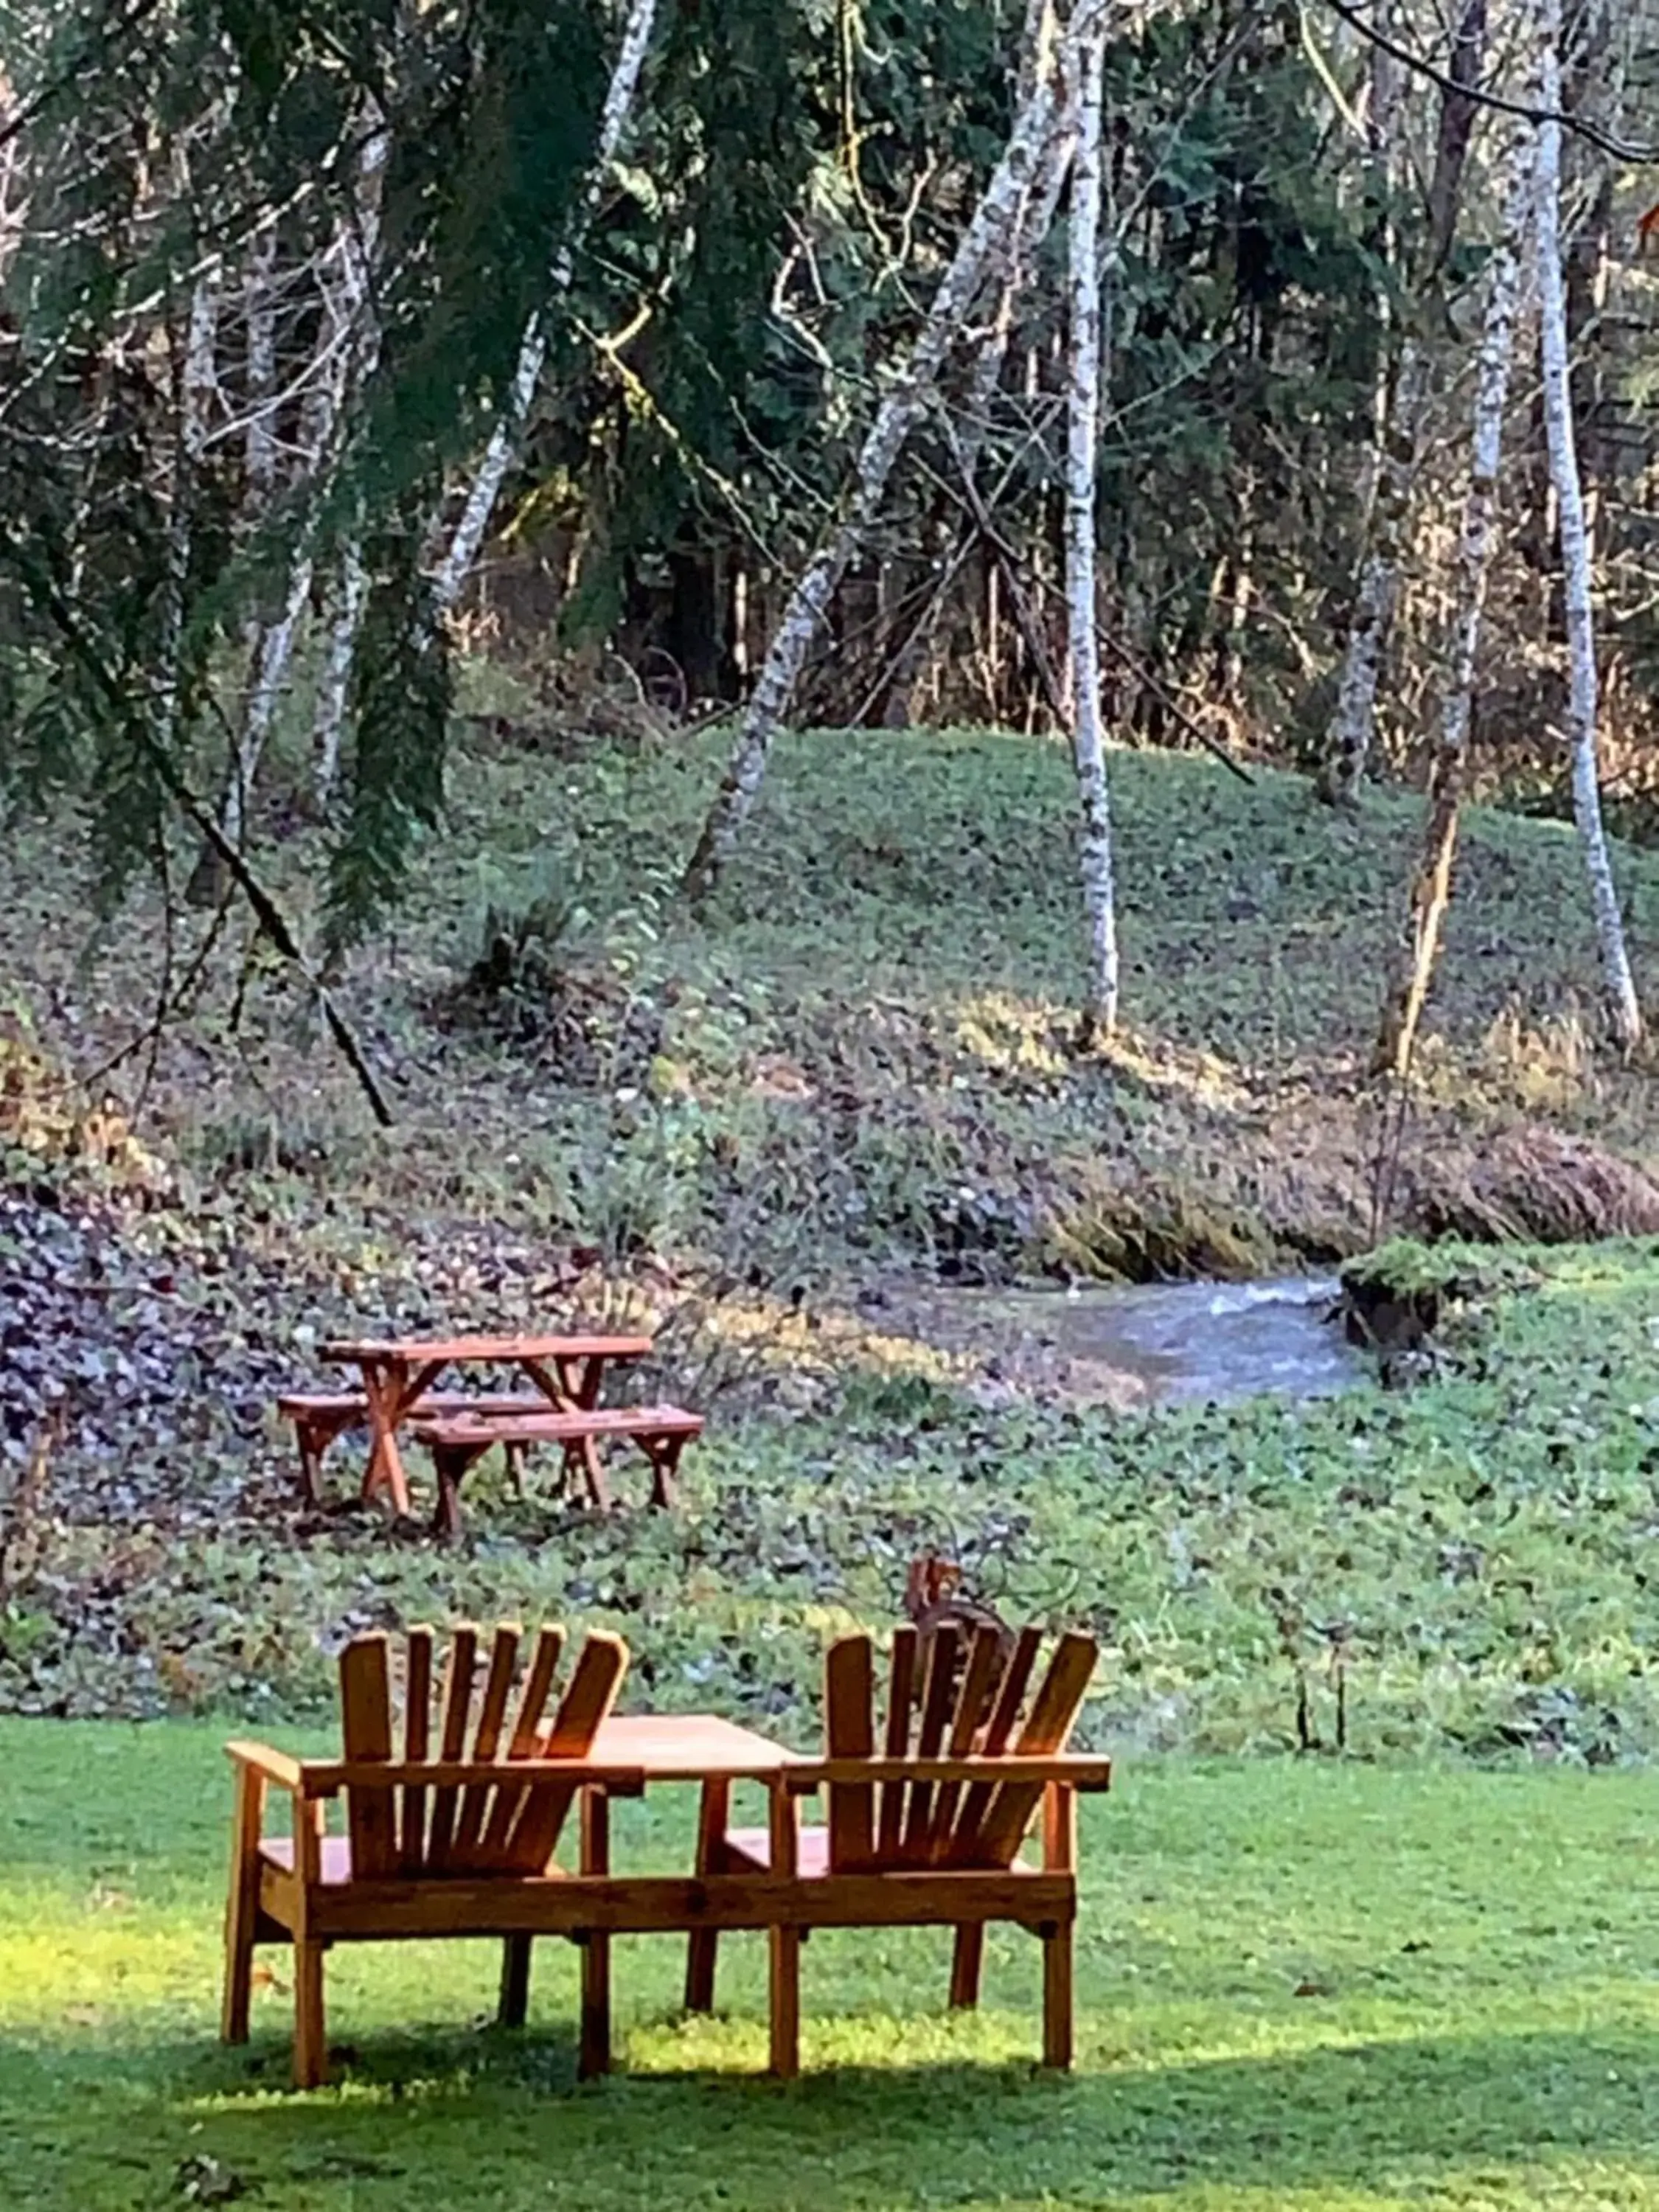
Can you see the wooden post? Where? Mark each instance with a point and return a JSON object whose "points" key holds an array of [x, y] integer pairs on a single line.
{"points": [[595, 2056], [785, 1942], [1058, 1856], [701, 1949], [242, 1908], [310, 2032], [514, 2004], [967, 1964]]}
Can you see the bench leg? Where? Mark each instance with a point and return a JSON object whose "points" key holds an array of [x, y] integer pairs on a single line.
{"points": [[310, 2038], [515, 2006], [785, 1977], [1057, 1995], [967, 1964], [664, 1453], [594, 2057], [702, 1947], [450, 1464], [242, 1905], [314, 1440]]}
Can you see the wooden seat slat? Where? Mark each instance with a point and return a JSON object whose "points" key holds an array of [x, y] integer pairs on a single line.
{"points": [[545, 1425]]}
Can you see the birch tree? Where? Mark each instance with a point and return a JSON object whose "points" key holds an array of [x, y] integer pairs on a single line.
{"points": [[1082, 473], [1353, 720], [1619, 983], [456, 564], [1431, 884], [982, 246]]}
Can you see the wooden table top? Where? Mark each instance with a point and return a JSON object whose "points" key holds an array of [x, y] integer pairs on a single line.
{"points": [[417, 1350], [690, 1746]]}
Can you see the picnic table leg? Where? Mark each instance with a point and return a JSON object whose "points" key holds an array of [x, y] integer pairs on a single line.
{"points": [[385, 1386], [572, 1386], [701, 1947], [595, 2056]]}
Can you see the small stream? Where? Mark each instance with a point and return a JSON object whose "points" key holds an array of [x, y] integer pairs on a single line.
{"points": [[1153, 1344]]}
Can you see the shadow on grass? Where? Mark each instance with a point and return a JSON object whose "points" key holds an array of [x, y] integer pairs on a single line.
{"points": [[490, 2112]]}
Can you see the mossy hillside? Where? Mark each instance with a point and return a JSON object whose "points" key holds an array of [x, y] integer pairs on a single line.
{"points": [[862, 1054]]}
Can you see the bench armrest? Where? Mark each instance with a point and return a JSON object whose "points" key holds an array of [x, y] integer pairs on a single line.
{"points": [[319, 1777], [1077, 1770], [274, 1766]]}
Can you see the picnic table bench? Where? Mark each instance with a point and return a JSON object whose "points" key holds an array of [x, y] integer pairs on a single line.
{"points": [[458, 1440], [319, 1416], [398, 1374]]}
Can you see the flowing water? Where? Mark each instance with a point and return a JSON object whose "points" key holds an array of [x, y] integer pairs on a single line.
{"points": [[1155, 1343]]}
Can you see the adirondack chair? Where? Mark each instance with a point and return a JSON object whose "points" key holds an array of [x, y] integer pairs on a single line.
{"points": [[455, 1837], [929, 1829]]}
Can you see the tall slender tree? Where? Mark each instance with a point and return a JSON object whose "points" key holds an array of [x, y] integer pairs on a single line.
{"points": [[982, 246], [1583, 688], [1430, 890], [1088, 47]]}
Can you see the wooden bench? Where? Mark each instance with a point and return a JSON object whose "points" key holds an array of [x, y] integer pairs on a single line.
{"points": [[454, 1836], [929, 1828], [320, 1417], [458, 1441]]}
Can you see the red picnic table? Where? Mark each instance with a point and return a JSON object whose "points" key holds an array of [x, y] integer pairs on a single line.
{"points": [[398, 1371]]}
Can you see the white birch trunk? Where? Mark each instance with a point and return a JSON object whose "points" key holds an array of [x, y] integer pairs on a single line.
{"points": [[902, 407], [350, 343], [456, 564], [1033, 222], [334, 686], [1347, 741], [1431, 884], [196, 383], [1082, 479], [1584, 690], [260, 446]]}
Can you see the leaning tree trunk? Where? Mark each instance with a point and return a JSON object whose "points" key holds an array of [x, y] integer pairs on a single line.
{"points": [[351, 583], [1082, 485], [981, 245], [454, 567], [949, 549], [1623, 1004], [342, 353], [1353, 720], [1431, 884]]}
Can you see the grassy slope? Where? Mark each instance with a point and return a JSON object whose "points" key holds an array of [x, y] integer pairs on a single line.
{"points": [[876, 1013], [872, 1016], [1299, 1985]]}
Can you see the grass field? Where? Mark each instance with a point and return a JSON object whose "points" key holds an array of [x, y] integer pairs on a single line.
{"points": [[1308, 1984]]}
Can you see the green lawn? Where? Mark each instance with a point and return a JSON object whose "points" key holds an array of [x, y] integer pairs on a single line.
{"points": [[1300, 1985]]}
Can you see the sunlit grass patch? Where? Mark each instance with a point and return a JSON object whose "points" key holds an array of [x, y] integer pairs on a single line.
{"points": [[1304, 1984]]}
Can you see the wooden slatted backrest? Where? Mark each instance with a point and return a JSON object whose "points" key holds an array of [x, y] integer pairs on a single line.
{"points": [[502, 1824], [969, 1705]]}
